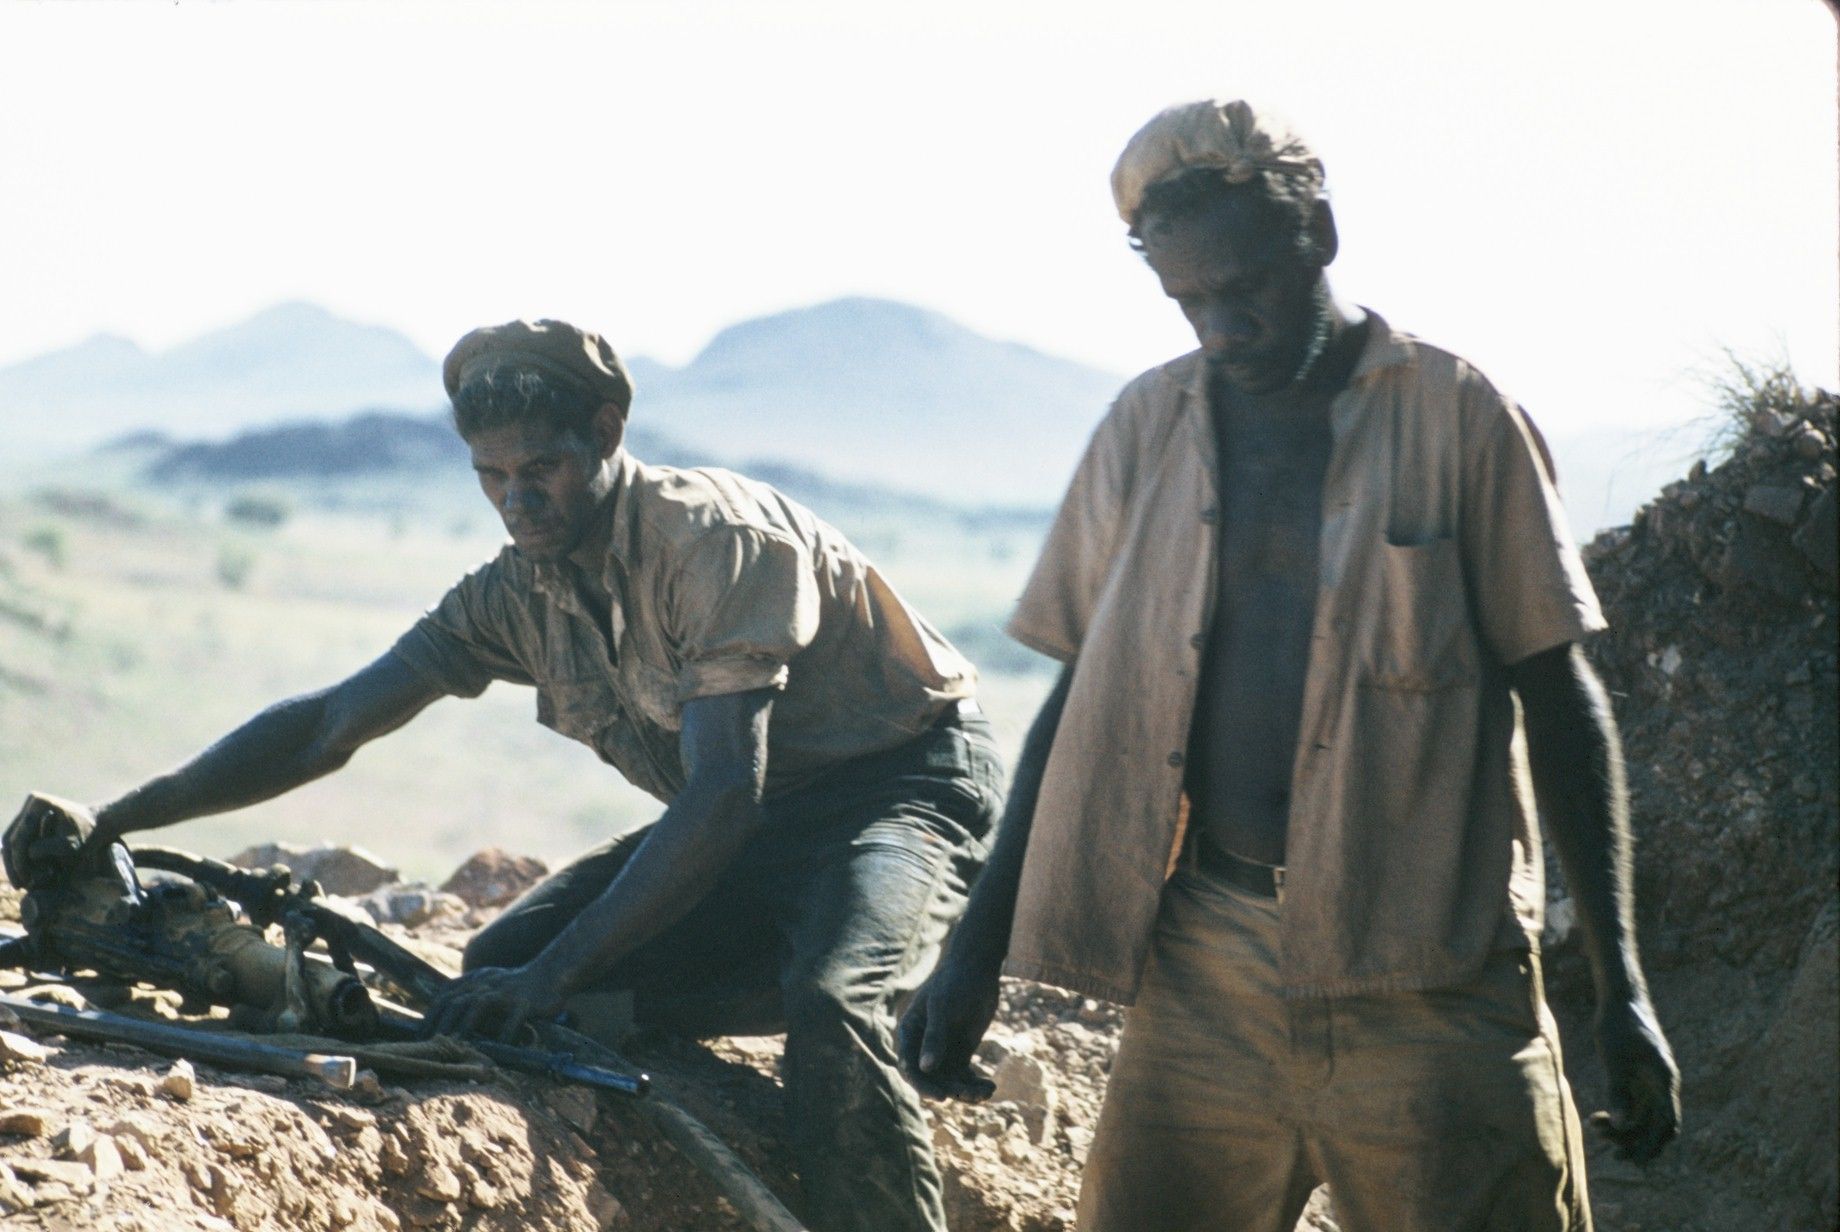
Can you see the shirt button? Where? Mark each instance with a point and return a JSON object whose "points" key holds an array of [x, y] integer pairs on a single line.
{"points": [[1209, 514], [1197, 641], [1175, 759]]}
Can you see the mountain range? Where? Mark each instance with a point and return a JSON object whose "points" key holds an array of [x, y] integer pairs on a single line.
{"points": [[860, 392], [864, 390]]}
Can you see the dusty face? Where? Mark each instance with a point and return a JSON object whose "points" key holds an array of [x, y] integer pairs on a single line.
{"points": [[1255, 301], [545, 483]]}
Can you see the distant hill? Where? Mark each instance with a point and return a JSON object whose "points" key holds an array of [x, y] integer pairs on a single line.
{"points": [[365, 444], [889, 393], [291, 361], [423, 449]]}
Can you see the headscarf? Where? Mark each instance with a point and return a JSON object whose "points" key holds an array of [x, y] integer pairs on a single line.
{"points": [[1225, 136]]}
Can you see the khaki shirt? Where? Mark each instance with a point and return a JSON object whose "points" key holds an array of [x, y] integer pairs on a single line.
{"points": [[719, 585], [1444, 555]]}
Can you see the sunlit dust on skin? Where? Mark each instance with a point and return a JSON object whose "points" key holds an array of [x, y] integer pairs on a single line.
{"points": [[544, 483], [1255, 298]]}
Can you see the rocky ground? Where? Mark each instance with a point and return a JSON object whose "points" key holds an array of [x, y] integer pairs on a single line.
{"points": [[113, 1138], [1722, 663]]}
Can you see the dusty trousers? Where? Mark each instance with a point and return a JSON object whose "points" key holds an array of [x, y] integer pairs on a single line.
{"points": [[834, 911], [1440, 1111]]}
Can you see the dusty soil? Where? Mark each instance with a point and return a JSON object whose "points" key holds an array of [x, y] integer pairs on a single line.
{"points": [[256, 1152]]}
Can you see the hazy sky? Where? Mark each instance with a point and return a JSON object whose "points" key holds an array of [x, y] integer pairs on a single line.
{"points": [[1590, 199]]}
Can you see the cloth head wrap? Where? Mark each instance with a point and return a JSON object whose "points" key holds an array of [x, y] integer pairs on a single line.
{"points": [[552, 347], [1225, 136]]}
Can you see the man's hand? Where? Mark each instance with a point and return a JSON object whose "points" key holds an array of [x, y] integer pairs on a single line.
{"points": [[48, 838], [495, 1002], [1644, 1113], [943, 1027]]}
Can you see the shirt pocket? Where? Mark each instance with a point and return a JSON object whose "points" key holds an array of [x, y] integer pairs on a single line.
{"points": [[1424, 640], [578, 708], [653, 691]]}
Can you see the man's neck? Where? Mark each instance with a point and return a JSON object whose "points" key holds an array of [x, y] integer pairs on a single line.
{"points": [[590, 555], [1327, 372], [1347, 338]]}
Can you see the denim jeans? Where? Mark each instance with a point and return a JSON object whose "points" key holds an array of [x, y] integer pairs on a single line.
{"points": [[834, 911]]}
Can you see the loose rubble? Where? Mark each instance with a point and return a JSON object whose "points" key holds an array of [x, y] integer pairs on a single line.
{"points": [[1721, 662], [179, 1081], [349, 871], [412, 905]]}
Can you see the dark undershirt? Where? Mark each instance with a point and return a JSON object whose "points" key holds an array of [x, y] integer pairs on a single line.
{"points": [[1273, 452]]}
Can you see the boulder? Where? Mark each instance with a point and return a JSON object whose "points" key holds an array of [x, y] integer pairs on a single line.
{"points": [[348, 871], [411, 905], [494, 877], [1022, 1080]]}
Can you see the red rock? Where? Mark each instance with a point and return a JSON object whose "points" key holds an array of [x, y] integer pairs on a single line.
{"points": [[493, 877]]}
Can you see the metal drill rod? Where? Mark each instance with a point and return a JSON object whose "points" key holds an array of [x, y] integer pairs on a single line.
{"points": [[562, 1065], [335, 1071]]}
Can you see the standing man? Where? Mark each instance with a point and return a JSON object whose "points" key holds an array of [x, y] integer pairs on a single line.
{"points": [[1280, 797], [828, 783]]}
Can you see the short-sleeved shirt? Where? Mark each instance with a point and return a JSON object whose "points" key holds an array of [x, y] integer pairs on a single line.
{"points": [[1444, 557], [719, 585]]}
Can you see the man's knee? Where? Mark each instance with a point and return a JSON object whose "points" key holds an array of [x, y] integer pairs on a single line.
{"points": [[832, 1006]]}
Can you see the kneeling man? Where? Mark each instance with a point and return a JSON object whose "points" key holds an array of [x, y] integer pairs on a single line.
{"points": [[828, 781]]}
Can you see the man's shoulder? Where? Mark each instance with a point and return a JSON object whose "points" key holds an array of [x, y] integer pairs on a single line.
{"points": [[1146, 408], [676, 507], [507, 566], [1455, 397], [1441, 376]]}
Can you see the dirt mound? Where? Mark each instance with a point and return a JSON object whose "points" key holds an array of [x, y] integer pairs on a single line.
{"points": [[264, 1154], [1721, 662], [283, 1156], [257, 1152]]}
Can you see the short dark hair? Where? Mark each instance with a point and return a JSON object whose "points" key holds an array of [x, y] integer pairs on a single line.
{"points": [[1289, 201], [512, 394]]}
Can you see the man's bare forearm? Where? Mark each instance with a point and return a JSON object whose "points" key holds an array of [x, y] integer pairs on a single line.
{"points": [[270, 754], [982, 936], [702, 831], [286, 745], [1578, 776], [673, 870]]}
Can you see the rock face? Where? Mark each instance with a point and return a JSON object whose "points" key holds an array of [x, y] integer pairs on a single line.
{"points": [[1721, 663]]}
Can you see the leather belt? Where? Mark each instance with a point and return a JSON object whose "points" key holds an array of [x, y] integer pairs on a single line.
{"points": [[1264, 880]]}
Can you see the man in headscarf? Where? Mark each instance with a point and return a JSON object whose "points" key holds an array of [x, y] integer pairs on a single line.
{"points": [[1280, 796], [828, 782]]}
